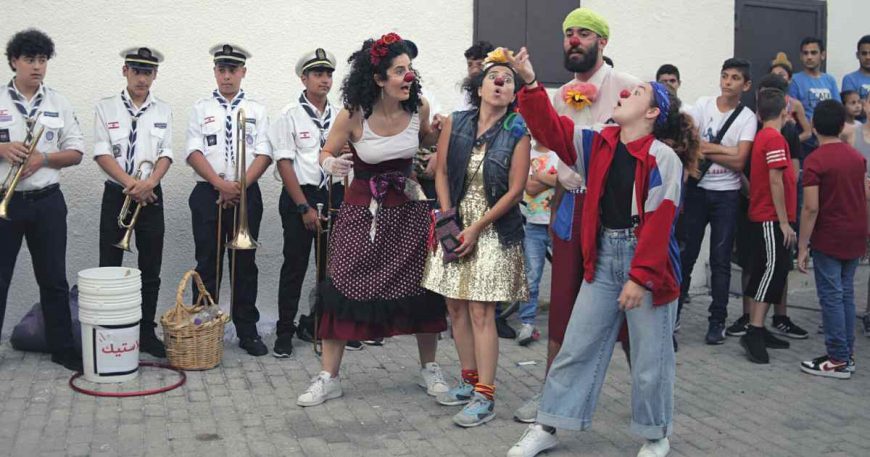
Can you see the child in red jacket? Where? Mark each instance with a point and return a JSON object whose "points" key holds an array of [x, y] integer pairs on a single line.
{"points": [[631, 259]]}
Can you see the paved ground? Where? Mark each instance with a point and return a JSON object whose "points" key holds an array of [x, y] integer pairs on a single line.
{"points": [[725, 406]]}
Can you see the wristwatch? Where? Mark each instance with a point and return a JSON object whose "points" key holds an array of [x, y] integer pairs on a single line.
{"points": [[303, 208]]}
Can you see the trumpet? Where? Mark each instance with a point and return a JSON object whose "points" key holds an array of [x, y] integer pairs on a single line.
{"points": [[14, 176], [125, 211]]}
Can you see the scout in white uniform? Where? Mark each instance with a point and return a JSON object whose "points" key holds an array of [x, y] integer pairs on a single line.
{"points": [[297, 136], [37, 209], [211, 151], [133, 132]]}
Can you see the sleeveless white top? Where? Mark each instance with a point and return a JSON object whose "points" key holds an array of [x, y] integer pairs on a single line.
{"points": [[373, 148]]}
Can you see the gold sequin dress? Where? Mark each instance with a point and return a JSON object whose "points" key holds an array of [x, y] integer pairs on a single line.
{"points": [[492, 272]]}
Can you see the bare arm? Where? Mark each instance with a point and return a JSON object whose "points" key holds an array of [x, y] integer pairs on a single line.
{"points": [[257, 168], [801, 115], [428, 135], [442, 185], [733, 158], [339, 135], [777, 191], [809, 214]]}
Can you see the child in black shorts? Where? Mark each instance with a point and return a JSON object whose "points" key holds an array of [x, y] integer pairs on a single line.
{"points": [[772, 207]]}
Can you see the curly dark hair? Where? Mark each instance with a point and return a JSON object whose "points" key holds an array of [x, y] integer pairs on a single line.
{"points": [[679, 133], [359, 90], [31, 43], [471, 85]]}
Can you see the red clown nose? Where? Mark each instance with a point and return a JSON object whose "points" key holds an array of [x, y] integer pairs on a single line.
{"points": [[624, 94], [574, 41], [410, 77], [499, 81]]}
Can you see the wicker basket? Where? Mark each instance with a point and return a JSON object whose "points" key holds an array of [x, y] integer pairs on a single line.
{"points": [[189, 346]]}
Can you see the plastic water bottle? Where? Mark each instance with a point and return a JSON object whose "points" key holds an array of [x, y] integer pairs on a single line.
{"points": [[205, 315]]}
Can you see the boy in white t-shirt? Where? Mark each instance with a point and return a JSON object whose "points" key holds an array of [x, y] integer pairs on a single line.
{"points": [[715, 199], [536, 209]]}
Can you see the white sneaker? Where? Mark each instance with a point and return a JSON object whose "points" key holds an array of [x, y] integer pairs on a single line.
{"points": [[657, 448], [528, 333], [433, 380], [323, 387], [534, 441]]}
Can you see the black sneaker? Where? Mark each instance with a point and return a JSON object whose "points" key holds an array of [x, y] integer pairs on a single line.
{"points": [[354, 345], [824, 366], [374, 342], [865, 325], [773, 342], [715, 333], [504, 330], [149, 343], [71, 360], [783, 326], [283, 346], [753, 342], [254, 346], [738, 328]]}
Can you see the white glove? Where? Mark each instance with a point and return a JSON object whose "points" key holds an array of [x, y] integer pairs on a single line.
{"points": [[338, 166], [570, 179]]}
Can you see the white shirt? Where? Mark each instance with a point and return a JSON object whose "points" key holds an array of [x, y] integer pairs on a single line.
{"points": [[112, 125], [295, 136], [609, 83], [206, 132], [62, 131], [464, 103], [709, 120]]}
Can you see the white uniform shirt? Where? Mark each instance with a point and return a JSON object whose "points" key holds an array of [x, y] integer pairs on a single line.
{"points": [[62, 131], [112, 125], [709, 119], [296, 137], [206, 132]]}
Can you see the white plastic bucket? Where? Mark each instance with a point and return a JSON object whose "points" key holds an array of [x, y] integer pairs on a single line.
{"points": [[110, 310]]}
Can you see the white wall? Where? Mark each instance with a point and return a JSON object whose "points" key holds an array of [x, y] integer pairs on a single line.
{"points": [[695, 36], [89, 34], [847, 23]]}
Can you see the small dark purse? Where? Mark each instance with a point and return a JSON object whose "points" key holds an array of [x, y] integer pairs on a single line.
{"points": [[447, 232]]}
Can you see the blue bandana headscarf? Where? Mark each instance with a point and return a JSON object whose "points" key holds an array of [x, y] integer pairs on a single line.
{"points": [[663, 101]]}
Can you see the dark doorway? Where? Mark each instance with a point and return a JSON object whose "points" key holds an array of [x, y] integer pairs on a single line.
{"points": [[764, 27], [535, 24]]}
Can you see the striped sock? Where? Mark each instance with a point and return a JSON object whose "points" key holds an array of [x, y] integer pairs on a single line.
{"points": [[487, 390], [470, 377]]}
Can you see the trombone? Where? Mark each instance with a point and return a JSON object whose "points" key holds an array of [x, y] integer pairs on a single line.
{"points": [[322, 258], [242, 239], [14, 176], [125, 211]]}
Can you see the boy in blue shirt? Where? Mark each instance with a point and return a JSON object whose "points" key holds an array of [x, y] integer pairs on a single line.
{"points": [[812, 86], [859, 80]]}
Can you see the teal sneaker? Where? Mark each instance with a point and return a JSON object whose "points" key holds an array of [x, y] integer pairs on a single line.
{"points": [[458, 395], [478, 411]]}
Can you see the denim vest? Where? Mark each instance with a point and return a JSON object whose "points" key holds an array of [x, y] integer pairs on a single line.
{"points": [[495, 170]]}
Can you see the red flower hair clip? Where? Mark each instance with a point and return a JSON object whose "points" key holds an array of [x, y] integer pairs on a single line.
{"points": [[380, 48]]}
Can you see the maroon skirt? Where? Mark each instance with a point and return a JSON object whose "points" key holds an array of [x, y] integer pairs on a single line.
{"points": [[373, 287]]}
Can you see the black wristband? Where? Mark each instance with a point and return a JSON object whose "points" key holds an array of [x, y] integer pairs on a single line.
{"points": [[532, 81]]}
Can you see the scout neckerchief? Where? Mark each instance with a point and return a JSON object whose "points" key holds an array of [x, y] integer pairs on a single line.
{"points": [[322, 124], [228, 136], [20, 103], [130, 163]]}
